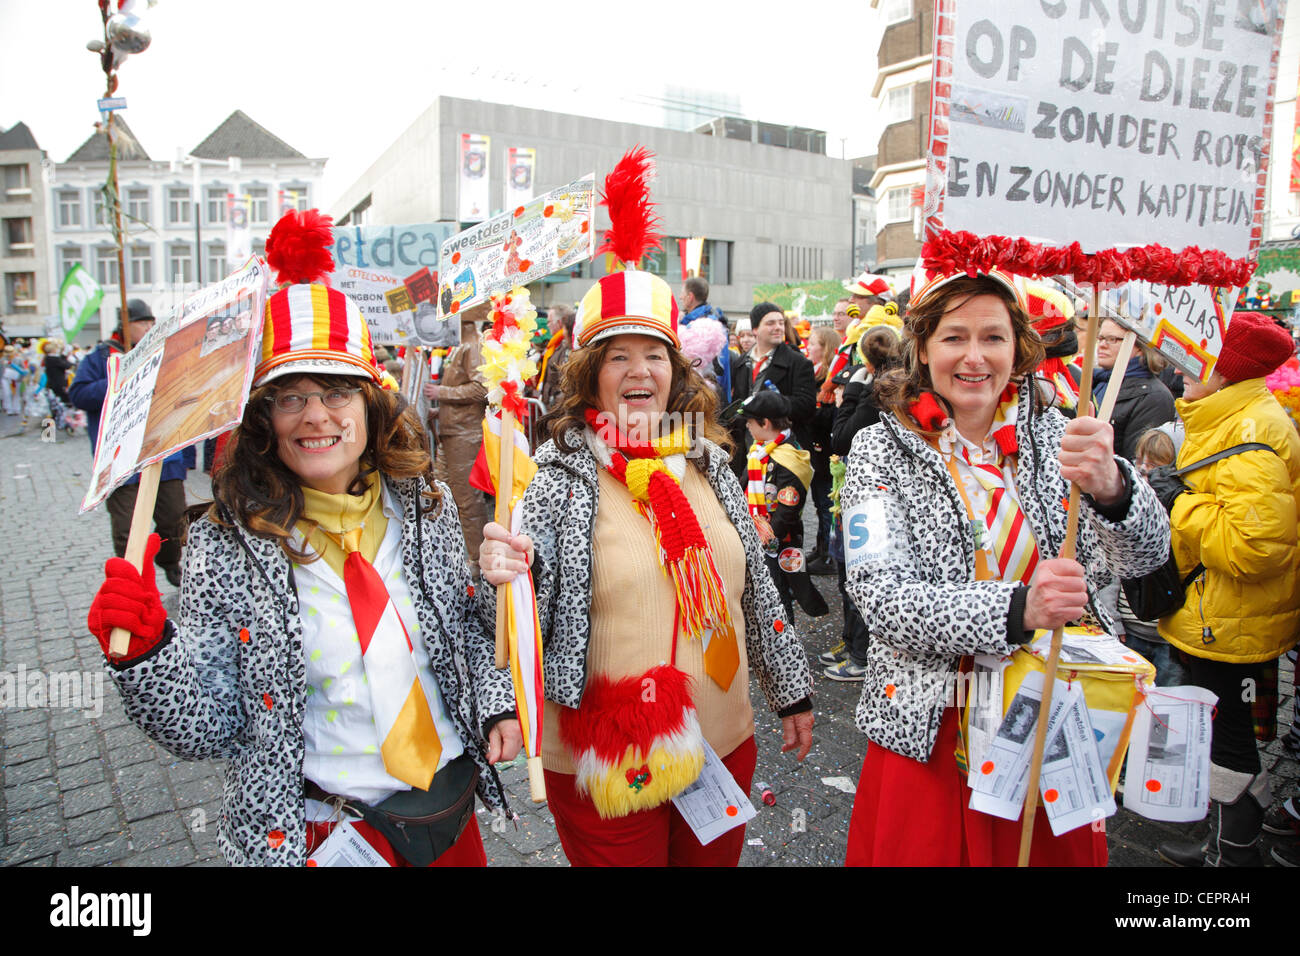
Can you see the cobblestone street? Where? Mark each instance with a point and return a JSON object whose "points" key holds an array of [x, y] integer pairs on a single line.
{"points": [[82, 786]]}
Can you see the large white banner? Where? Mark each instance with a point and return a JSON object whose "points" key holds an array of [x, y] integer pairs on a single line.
{"points": [[1110, 123]]}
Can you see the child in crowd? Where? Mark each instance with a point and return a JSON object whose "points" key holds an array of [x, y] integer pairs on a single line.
{"points": [[780, 473]]}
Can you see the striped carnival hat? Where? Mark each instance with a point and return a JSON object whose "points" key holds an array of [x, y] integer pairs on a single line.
{"points": [[309, 326], [1048, 307], [868, 284], [926, 282], [630, 302]]}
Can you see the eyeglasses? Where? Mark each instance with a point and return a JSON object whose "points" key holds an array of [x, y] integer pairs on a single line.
{"points": [[1110, 339], [293, 402]]}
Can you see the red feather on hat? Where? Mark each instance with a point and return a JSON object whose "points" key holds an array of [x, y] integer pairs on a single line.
{"points": [[631, 214], [298, 248]]}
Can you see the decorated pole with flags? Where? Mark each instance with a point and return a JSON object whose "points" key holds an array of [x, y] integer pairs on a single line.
{"points": [[518, 632]]}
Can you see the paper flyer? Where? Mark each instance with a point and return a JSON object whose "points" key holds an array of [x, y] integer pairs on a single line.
{"points": [[1168, 770], [714, 803]]}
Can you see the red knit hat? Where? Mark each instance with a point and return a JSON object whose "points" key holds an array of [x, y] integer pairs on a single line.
{"points": [[1253, 346]]}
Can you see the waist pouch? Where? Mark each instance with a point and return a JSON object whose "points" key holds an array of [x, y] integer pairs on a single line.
{"points": [[421, 825], [635, 742]]}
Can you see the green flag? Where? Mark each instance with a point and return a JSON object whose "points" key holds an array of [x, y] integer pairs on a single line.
{"points": [[79, 298]]}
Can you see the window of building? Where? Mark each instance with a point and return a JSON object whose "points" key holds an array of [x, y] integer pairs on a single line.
{"points": [[106, 265], [141, 265], [18, 238], [215, 204], [69, 201], [69, 256], [896, 11], [17, 182], [178, 206], [799, 262], [137, 205], [214, 267], [360, 212], [294, 197], [20, 288], [715, 262], [898, 105], [98, 208], [259, 211], [180, 263], [898, 205]]}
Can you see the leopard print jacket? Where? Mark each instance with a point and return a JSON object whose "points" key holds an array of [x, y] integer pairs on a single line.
{"points": [[915, 581], [559, 514], [229, 680]]}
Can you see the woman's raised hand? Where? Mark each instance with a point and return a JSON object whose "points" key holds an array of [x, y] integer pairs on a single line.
{"points": [[1057, 595], [1088, 459], [501, 556]]}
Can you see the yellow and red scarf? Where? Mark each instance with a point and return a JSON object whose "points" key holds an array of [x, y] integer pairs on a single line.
{"points": [[702, 610]]}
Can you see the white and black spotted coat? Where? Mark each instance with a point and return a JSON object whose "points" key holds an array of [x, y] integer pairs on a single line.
{"points": [[205, 692], [922, 604], [559, 514]]}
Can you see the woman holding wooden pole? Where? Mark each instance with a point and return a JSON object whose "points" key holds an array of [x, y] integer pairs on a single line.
{"points": [[959, 500], [326, 644]]}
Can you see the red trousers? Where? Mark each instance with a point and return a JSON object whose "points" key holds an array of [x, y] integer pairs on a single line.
{"points": [[909, 813], [658, 837], [467, 851]]}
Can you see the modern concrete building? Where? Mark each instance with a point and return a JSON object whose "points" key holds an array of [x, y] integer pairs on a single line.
{"points": [[902, 92], [768, 212], [24, 256], [177, 211]]}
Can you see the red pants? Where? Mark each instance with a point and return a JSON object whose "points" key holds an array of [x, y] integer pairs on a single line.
{"points": [[467, 851], [909, 813], [658, 837]]}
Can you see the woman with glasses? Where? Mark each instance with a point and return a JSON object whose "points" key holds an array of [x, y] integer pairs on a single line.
{"points": [[1144, 401], [325, 644]]}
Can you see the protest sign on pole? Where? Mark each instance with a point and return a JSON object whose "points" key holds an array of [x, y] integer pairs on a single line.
{"points": [[521, 245], [391, 273], [186, 380], [1186, 324], [1106, 141], [473, 201], [79, 298]]}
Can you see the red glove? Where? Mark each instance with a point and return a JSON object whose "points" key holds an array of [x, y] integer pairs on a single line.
{"points": [[129, 600]]}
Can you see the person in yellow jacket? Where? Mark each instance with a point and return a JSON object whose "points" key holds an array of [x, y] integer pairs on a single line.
{"points": [[1237, 520]]}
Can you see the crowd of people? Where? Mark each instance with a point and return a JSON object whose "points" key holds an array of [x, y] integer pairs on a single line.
{"points": [[34, 379], [664, 533]]}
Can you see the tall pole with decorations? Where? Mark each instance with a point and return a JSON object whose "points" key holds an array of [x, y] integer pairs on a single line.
{"points": [[506, 366]]}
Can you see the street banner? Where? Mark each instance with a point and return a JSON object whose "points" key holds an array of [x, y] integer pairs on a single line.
{"points": [[474, 201], [79, 299], [519, 246], [691, 252], [186, 380], [1185, 324], [391, 273], [521, 173], [239, 235], [1140, 131]]}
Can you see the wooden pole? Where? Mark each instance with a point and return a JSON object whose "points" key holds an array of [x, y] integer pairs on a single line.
{"points": [[141, 519], [505, 484], [1067, 551]]}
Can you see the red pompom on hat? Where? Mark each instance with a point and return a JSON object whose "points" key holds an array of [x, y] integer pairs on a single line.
{"points": [[1253, 347], [309, 327]]}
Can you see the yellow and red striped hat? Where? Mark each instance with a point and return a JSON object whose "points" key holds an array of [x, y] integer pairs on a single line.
{"points": [[623, 303], [309, 326], [1048, 307]]}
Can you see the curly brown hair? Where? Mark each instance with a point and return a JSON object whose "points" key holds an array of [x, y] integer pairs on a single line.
{"points": [[688, 395], [253, 487], [901, 387]]}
